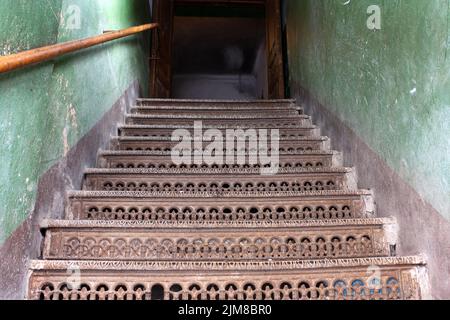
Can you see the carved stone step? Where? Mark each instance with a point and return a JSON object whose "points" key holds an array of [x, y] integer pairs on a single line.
{"points": [[297, 145], [159, 131], [218, 180], [146, 159], [335, 279], [217, 113], [232, 122], [233, 209], [195, 103], [231, 116], [142, 240]]}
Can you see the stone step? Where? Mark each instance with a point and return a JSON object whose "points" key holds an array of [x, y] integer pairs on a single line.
{"points": [[232, 209], [161, 131], [235, 122], [147, 159], [230, 116], [196, 103], [385, 278], [250, 113], [219, 180], [142, 240], [299, 144]]}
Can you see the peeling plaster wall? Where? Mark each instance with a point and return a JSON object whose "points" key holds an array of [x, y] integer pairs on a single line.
{"points": [[46, 109], [384, 98], [391, 86]]}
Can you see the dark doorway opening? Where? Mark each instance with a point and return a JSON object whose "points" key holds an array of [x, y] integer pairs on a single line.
{"points": [[219, 52], [218, 49]]}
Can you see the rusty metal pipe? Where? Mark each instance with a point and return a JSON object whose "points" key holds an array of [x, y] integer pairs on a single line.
{"points": [[25, 58]]}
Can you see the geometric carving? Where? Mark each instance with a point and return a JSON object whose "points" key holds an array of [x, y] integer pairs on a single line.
{"points": [[231, 122], [148, 206], [161, 131], [297, 145], [344, 283], [156, 180], [144, 242], [143, 159]]}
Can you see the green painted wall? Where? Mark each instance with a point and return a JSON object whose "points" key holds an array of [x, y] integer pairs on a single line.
{"points": [[391, 86], [46, 109]]}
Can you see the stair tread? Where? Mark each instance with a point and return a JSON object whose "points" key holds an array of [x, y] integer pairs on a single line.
{"points": [[289, 118], [212, 116], [133, 138], [162, 126], [217, 101], [217, 172], [227, 195], [169, 153], [186, 227], [260, 125], [152, 153], [217, 109], [211, 267], [262, 109]]}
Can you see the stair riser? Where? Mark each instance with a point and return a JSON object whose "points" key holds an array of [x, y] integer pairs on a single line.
{"points": [[257, 105], [284, 145], [401, 282], [230, 123], [145, 161], [219, 211], [167, 146], [255, 114], [135, 244], [142, 131], [215, 183]]}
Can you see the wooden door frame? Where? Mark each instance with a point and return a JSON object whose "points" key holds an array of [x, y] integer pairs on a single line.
{"points": [[274, 47], [163, 36]]}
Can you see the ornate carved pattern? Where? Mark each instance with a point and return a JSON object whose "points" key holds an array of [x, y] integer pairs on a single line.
{"points": [[162, 132], [146, 162], [308, 185], [159, 137], [326, 287], [214, 180], [122, 164], [231, 123], [108, 211], [142, 146], [86, 245]]}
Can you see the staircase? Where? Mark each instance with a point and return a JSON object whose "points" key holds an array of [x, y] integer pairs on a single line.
{"points": [[145, 228]]}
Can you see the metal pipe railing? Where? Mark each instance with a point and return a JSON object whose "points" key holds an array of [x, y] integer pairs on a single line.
{"points": [[29, 57]]}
